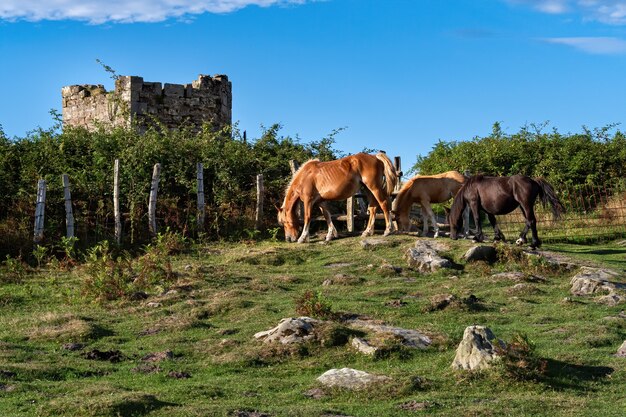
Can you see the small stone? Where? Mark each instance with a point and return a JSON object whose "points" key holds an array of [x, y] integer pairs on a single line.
{"points": [[362, 346], [621, 352], [374, 243], [154, 304], [424, 257], [188, 267], [351, 379], [441, 301], [327, 282], [512, 276]]}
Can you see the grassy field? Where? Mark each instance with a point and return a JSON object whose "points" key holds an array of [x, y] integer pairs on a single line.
{"points": [[217, 295]]}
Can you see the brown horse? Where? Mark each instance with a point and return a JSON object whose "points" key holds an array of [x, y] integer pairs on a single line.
{"points": [[502, 195], [316, 182], [426, 190]]}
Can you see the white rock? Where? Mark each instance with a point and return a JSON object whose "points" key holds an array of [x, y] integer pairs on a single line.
{"points": [[476, 350], [350, 378], [362, 346], [290, 330]]}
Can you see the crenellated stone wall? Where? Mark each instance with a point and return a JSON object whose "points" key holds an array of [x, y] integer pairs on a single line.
{"points": [[207, 99]]}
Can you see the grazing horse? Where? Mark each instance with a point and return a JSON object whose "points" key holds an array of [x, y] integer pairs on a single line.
{"points": [[316, 182], [502, 195], [426, 190]]}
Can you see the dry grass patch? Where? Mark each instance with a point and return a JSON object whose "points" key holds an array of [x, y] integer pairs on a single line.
{"points": [[63, 327]]}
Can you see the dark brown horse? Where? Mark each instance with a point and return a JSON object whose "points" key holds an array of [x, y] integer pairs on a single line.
{"points": [[317, 182], [502, 195]]}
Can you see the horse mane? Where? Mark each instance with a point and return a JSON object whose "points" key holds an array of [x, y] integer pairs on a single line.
{"points": [[298, 171]]}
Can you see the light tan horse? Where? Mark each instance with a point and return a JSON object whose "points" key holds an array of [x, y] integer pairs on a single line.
{"points": [[316, 182], [426, 190]]}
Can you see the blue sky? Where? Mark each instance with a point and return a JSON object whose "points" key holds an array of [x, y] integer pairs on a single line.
{"points": [[399, 75]]}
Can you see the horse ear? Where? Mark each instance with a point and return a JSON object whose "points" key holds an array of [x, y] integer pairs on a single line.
{"points": [[278, 209]]}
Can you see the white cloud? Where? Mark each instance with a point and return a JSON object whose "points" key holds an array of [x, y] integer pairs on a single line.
{"points": [[605, 11], [593, 45], [123, 11]]}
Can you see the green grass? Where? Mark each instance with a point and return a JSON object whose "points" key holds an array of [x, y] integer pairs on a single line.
{"points": [[225, 293]]}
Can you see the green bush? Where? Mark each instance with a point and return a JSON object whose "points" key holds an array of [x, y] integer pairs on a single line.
{"points": [[231, 165]]}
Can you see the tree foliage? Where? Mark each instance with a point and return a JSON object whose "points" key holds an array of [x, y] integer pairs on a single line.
{"points": [[592, 157]]}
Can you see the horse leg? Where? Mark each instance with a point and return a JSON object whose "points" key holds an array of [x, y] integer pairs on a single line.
{"points": [[332, 231], [429, 213], [304, 237], [473, 204], [498, 235], [384, 203], [531, 222], [466, 220], [522, 236]]}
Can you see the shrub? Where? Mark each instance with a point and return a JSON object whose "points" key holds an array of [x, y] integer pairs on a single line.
{"points": [[314, 304]]}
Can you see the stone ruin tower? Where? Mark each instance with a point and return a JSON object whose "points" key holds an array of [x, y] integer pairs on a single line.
{"points": [[134, 101]]}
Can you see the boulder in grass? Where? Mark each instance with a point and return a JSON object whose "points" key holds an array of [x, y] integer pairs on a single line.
{"points": [[351, 379], [425, 258], [477, 350], [290, 330], [621, 352], [595, 281]]}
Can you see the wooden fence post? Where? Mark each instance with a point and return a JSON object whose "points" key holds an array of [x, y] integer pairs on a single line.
{"points": [[295, 166], [69, 214], [201, 204], [39, 211], [154, 188], [350, 214], [397, 164], [260, 191], [116, 202]]}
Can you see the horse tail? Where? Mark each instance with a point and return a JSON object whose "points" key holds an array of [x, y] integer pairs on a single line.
{"points": [[391, 176], [548, 196]]}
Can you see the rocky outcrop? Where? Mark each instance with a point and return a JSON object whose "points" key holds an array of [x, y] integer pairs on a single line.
{"points": [[410, 338], [599, 281]]}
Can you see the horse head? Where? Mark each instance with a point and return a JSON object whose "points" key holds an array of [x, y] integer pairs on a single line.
{"points": [[455, 215], [289, 221]]}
